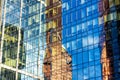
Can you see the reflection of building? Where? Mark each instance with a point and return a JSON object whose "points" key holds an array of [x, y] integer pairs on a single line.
{"points": [[57, 62], [60, 40], [10, 51], [10, 47], [20, 23], [110, 58]]}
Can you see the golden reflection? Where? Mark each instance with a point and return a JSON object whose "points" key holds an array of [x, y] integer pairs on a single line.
{"points": [[57, 61], [105, 63]]}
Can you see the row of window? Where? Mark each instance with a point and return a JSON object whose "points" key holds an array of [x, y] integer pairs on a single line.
{"points": [[76, 16]]}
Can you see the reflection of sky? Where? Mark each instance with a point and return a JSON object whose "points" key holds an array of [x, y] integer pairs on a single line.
{"points": [[10, 9], [34, 45], [65, 6], [32, 58], [87, 39]]}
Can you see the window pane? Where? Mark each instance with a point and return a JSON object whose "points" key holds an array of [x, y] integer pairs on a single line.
{"points": [[83, 12], [90, 39], [85, 57], [74, 60], [74, 45], [79, 43], [79, 58], [91, 55], [74, 75], [84, 41], [86, 74], [80, 74]]}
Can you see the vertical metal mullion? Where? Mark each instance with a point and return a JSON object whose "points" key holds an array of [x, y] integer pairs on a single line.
{"points": [[3, 28], [38, 62], [0, 14], [2, 38], [4, 2], [19, 38]]}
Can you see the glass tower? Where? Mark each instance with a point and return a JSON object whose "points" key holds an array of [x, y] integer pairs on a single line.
{"points": [[59, 39]]}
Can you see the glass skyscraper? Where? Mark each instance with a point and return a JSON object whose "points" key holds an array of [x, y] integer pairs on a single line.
{"points": [[59, 39]]}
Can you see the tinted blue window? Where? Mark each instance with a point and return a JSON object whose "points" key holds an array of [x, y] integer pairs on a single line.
{"points": [[83, 12], [91, 55], [80, 74], [79, 58], [74, 60], [85, 57], [74, 75]]}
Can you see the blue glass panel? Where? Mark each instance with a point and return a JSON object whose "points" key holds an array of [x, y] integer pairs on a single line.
{"points": [[74, 60], [98, 70], [74, 75], [84, 41], [80, 74], [86, 73], [79, 58], [92, 71], [91, 55], [83, 12], [85, 57]]}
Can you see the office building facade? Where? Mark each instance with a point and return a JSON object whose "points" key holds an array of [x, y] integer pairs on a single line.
{"points": [[59, 39], [110, 42]]}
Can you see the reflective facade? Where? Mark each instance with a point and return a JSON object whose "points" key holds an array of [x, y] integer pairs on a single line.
{"points": [[59, 39], [110, 39]]}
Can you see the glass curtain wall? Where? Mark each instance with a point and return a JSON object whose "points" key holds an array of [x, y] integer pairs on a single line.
{"points": [[110, 42], [23, 40], [81, 33], [59, 39]]}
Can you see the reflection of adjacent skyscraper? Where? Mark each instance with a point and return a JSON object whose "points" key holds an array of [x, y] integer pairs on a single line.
{"points": [[34, 39], [110, 58], [19, 62], [57, 62], [10, 52], [10, 47], [44, 28]]}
